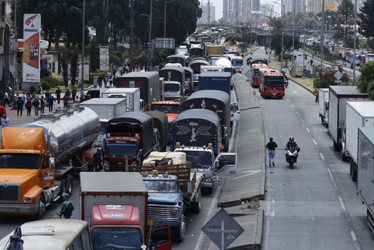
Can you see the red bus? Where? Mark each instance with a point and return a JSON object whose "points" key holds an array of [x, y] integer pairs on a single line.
{"points": [[271, 83], [256, 73], [233, 51]]}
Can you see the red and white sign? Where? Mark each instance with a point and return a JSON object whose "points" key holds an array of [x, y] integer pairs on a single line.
{"points": [[31, 52]]}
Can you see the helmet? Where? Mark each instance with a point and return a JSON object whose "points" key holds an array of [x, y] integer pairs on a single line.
{"points": [[65, 195], [291, 138], [271, 138]]}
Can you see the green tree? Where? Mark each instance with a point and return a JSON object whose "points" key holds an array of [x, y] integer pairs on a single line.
{"points": [[367, 17], [366, 78], [345, 10]]}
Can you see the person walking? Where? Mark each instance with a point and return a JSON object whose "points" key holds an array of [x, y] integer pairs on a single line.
{"points": [[67, 207], [36, 104], [73, 93], [2, 111], [271, 146], [6, 99], [28, 106], [58, 95], [50, 100], [66, 100], [20, 103], [42, 104]]}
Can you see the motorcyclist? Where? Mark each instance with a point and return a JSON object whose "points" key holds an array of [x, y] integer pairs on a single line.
{"points": [[285, 78], [292, 144]]}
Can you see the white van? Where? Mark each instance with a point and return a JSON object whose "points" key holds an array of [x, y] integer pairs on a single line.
{"points": [[56, 234]]}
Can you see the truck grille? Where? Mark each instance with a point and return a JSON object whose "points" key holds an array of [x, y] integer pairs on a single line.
{"points": [[163, 212], [9, 192]]}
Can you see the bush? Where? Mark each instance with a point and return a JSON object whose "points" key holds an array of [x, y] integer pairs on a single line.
{"points": [[50, 82]]}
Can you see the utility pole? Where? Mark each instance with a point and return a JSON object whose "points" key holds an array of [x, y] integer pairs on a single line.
{"points": [[150, 44], [282, 47], [354, 43], [293, 38], [83, 43], [131, 32], [304, 68]]}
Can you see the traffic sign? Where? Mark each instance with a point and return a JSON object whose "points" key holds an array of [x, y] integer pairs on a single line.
{"points": [[338, 75], [222, 229]]}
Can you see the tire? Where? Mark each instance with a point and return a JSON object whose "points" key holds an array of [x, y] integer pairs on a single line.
{"points": [[178, 233], [196, 205], [291, 163], [41, 208]]}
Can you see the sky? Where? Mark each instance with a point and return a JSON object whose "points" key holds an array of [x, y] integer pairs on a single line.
{"points": [[218, 4]]}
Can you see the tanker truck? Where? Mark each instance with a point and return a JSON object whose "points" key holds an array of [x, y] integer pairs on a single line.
{"points": [[38, 159]]}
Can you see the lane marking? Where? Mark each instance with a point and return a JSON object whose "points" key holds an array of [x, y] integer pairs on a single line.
{"points": [[332, 179], [355, 241], [323, 158], [315, 142], [292, 106], [297, 113], [307, 129], [288, 100], [302, 120], [249, 173], [342, 203]]}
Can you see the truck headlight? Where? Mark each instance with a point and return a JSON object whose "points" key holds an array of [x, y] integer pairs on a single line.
{"points": [[27, 200], [174, 213]]}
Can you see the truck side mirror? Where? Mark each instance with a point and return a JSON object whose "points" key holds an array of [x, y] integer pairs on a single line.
{"points": [[51, 162]]}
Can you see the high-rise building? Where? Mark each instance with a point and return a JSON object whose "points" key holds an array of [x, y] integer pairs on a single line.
{"points": [[208, 14], [238, 11]]}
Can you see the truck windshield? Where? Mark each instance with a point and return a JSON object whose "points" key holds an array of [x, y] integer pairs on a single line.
{"points": [[20, 161], [167, 108], [121, 149], [157, 186], [237, 62], [275, 82], [116, 238], [171, 87], [199, 159]]}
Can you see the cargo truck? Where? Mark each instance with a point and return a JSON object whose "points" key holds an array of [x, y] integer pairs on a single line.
{"points": [[116, 207], [170, 108], [172, 188], [323, 105], [216, 101], [37, 160], [215, 81], [128, 140], [338, 98], [365, 175], [132, 95], [358, 115], [214, 50], [147, 82]]}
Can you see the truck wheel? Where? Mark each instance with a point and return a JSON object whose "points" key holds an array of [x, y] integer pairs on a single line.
{"points": [[179, 232], [196, 204], [41, 208]]}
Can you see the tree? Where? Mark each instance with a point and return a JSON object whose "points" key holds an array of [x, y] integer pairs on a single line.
{"points": [[345, 10], [366, 78], [367, 17]]}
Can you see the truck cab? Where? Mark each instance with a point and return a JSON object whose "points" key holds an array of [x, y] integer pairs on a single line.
{"points": [[165, 202], [173, 90], [171, 108]]}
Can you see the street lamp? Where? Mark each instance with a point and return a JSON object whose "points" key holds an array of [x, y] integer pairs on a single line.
{"points": [[83, 42], [165, 16], [322, 35], [354, 42], [282, 43]]}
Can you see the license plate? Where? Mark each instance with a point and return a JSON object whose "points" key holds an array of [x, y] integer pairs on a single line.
{"points": [[150, 222]]}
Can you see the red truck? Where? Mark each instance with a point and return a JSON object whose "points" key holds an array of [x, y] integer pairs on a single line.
{"points": [[116, 206]]}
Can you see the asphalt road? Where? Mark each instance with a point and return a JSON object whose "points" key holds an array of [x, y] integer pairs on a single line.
{"points": [[314, 205]]}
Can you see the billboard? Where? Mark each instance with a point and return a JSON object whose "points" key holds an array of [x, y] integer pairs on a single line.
{"points": [[31, 48]]}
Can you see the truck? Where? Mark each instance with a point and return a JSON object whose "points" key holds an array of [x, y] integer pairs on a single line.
{"points": [[160, 122], [172, 188], [170, 108], [147, 82], [216, 101], [323, 105], [49, 234], [216, 81], [338, 98], [197, 127], [174, 82], [39, 159], [213, 50], [365, 175], [116, 207], [132, 95], [358, 115], [128, 140]]}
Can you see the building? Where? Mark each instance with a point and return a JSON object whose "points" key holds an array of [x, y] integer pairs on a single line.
{"points": [[208, 13], [241, 11]]}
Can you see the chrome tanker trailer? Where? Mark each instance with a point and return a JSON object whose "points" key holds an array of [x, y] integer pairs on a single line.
{"points": [[38, 159]]}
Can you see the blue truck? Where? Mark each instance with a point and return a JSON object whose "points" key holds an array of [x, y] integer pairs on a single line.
{"points": [[216, 81], [173, 187]]}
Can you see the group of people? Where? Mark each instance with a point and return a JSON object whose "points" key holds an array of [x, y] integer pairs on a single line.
{"points": [[272, 146]]}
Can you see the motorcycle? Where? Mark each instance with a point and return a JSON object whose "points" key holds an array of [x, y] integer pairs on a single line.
{"points": [[291, 155]]}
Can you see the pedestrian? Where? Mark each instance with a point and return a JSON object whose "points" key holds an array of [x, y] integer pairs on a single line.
{"points": [[66, 100], [271, 146], [290, 70], [2, 111], [67, 207], [50, 101], [20, 103], [317, 95], [24, 100], [36, 104], [6, 99], [42, 104], [5, 121], [73, 93], [28, 106], [58, 95], [76, 99], [100, 80]]}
